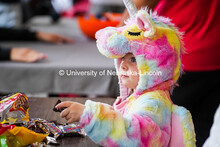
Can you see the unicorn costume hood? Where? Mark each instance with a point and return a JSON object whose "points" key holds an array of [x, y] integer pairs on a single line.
{"points": [[156, 45]]}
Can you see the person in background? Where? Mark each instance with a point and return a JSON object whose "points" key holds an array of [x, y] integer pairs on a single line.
{"points": [[26, 54], [8, 32], [20, 34], [20, 55], [199, 87]]}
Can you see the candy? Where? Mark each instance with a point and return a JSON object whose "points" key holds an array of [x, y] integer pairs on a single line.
{"points": [[51, 140], [59, 109], [54, 130], [38, 144], [41, 125], [37, 125], [72, 129], [14, 109], [3, 142], [20, 136]]}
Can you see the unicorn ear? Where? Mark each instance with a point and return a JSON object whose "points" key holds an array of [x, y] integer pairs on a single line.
{"points": [[145, 23]]}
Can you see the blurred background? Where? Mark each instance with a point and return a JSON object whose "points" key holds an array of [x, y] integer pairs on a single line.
{"points": [[76, 19], [14, 13]]}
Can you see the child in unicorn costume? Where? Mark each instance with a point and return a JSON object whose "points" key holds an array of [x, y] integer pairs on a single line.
{"points": [[146, 117]]}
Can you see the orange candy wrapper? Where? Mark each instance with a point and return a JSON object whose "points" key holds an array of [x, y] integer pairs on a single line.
{"points": [[20, 136]]}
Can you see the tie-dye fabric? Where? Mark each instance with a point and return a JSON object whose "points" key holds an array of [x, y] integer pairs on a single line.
{"points": [[147, 117], [134, 122], [142, 121]]}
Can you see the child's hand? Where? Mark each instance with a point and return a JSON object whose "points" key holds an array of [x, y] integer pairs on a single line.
{"points": [[72, 112]]}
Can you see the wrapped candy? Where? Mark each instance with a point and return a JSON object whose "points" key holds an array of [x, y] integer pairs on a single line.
{"points": [[3, 142], [41, 125], [20, 136], [72, 129], [37, 125], [54, 130], [14, 109], [59, 109], [51, 140], [38, 144]]}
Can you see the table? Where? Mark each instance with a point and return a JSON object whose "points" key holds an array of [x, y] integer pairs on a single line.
{"points": [[43, 108], [46, 76]]}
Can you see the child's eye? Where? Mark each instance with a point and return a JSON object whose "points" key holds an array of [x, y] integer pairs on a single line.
{"points": [[133, 59], [123, 58]]}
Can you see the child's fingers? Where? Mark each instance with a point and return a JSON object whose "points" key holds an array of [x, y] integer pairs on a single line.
{"points": [[71, 120], [67, 117], [64, 113], [64, 104]]}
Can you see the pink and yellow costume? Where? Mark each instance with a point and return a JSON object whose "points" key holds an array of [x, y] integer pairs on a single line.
{"points": [[147, 117]]}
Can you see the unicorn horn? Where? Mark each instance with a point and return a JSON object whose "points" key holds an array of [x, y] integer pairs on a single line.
{"points": [[132, 9]]}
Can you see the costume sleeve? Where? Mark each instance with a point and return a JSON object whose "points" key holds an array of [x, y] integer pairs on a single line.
{"points": [[9, 34], [4, 53], [108, 127]]}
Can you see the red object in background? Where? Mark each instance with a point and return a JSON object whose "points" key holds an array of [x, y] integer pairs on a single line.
{"points": [[199, 19], [69, 95], [90, 25]]}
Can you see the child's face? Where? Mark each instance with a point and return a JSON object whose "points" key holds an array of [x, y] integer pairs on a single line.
{"points": [[128, 71]]}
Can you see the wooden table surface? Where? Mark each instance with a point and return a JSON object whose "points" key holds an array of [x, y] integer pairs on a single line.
{"points": [[43, 108]]}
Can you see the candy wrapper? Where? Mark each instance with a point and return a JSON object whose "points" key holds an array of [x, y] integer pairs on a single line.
{"points": [[72, 130], [54, 130], [14, 109], [37, 125], [20, 136], [3, 142], [43, 126], [51, 140], [38, 144], [48, 141]]}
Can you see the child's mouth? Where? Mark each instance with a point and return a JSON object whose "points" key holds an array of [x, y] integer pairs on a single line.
{"points": [[124, 76]]}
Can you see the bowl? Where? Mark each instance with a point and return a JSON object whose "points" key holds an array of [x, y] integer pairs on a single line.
{"points": [[89, 25]]}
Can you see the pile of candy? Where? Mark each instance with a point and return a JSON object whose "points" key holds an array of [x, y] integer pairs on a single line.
{"points": [[16, 129]]}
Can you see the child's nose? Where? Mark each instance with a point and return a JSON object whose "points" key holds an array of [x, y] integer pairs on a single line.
{"points": [[124, 65]]}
